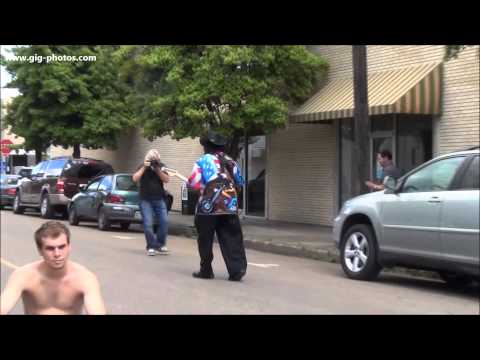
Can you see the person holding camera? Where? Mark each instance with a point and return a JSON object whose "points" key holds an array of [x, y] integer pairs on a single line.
{"points": [[151, 178]]}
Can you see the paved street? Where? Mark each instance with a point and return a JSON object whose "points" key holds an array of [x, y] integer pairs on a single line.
{"points": [[133, 283]]}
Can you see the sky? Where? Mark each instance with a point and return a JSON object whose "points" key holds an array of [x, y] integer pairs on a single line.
{"points": [[5, 77]]}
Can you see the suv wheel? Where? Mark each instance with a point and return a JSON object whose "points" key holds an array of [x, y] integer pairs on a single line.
{"points": [[358, 253], [124, 226], [103, 221], [17, 209], [46, 210], [455, 280], [72, 216]]}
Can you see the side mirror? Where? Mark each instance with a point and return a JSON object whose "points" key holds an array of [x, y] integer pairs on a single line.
{"points": [[390, 183], [82, 187]]}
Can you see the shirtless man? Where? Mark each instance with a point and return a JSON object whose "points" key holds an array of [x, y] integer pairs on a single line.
{"points": [[54, 285]]}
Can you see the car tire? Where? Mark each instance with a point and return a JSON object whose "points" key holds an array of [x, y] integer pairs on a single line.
{"points": [[72, 216], [124, 226], [103, 221], [17, 208], [359, 253], [46, 210], [455, 280]]}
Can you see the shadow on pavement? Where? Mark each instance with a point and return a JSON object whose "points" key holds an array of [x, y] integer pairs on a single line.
{"points": [[471, 291]]}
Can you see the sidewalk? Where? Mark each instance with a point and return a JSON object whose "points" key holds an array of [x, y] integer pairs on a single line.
{"points": [[302, 240], [284, 238]]}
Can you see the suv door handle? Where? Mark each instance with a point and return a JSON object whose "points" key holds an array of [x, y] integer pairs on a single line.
{"points": [[434, 199]]}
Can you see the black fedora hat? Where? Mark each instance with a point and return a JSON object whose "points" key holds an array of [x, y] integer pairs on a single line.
{"points": [[214, 138]]}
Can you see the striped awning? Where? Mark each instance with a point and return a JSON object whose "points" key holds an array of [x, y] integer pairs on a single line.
{"points": [[412, 90]]}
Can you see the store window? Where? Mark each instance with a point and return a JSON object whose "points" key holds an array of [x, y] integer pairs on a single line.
{"points": [[407, 137], [414, 141]]}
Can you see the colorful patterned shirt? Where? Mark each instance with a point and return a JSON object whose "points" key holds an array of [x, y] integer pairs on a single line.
{"points": [[217, 180]]}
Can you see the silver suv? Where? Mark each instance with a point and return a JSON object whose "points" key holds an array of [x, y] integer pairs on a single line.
{"points": [[428, 219]]}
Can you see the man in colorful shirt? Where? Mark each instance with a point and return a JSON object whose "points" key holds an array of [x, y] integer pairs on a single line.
{"points": [[218, 178]]}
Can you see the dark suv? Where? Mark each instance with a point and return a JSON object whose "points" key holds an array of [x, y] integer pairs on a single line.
{"points": [[54, 182]]}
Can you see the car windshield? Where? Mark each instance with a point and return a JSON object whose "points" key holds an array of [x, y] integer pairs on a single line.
{"points": [[126, 183]]}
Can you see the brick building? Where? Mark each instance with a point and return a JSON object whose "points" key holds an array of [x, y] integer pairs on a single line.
{"points": [[420, 107]]}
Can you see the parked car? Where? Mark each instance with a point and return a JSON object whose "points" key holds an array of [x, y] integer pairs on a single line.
{"points": [[109, 199], [54, 182], [8, 188], [428, 219]]}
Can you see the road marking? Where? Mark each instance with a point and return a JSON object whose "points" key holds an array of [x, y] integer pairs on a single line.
{"points": [[123, 237], [263, 265], [9, 264]]}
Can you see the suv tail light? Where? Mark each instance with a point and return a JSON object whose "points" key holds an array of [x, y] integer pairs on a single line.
{"points": [[60, 185], [11, 191], [114, 199]]}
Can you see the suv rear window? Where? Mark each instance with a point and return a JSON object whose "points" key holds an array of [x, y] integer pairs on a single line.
{"points": [[86, 169], [39, 168], [55, 167]]}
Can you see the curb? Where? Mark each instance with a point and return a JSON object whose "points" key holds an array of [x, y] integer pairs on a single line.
{"points": [[325, 255], [288, 250]]}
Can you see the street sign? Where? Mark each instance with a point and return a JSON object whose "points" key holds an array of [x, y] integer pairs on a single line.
{"points": [[4, 146], [5, 150]]}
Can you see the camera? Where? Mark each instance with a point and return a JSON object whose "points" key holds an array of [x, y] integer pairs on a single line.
{"points": [[154, 163]]}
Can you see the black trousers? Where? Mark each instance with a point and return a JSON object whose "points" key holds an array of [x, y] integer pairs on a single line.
{"points": [[230, 237]]}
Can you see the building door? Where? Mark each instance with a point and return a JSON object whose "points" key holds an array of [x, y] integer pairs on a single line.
{"points": [[378, 143], [252, 160]]}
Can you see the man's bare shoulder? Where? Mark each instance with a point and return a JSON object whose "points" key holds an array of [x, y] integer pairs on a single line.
{"points": [[26, 273], [28, 269], [82, 273]]}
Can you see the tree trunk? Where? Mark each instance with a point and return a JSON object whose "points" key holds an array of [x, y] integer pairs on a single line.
{"points": [[76, 151], [38, 155], [232, 148], [360, 163]]}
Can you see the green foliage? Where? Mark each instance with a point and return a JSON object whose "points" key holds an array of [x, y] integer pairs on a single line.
{"points": [[67, 103], [182, 90], [452, 51]]}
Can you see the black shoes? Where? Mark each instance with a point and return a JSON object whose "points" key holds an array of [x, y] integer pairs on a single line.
{"points": [[209, 275], [236, 277], [203, 275]]}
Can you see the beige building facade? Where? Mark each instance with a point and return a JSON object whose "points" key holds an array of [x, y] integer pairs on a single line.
{"points": [[304, 181]]}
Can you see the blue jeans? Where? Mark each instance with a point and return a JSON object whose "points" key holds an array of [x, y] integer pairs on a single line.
{"points": [[149, 209]]}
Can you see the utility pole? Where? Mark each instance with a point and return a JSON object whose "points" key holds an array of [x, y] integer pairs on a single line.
{"points": [[360, 156]]}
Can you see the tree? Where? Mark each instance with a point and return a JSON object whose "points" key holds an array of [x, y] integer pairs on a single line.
{"points": [[452, 51], [67, 103], [23, 125], [183, 90]]}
